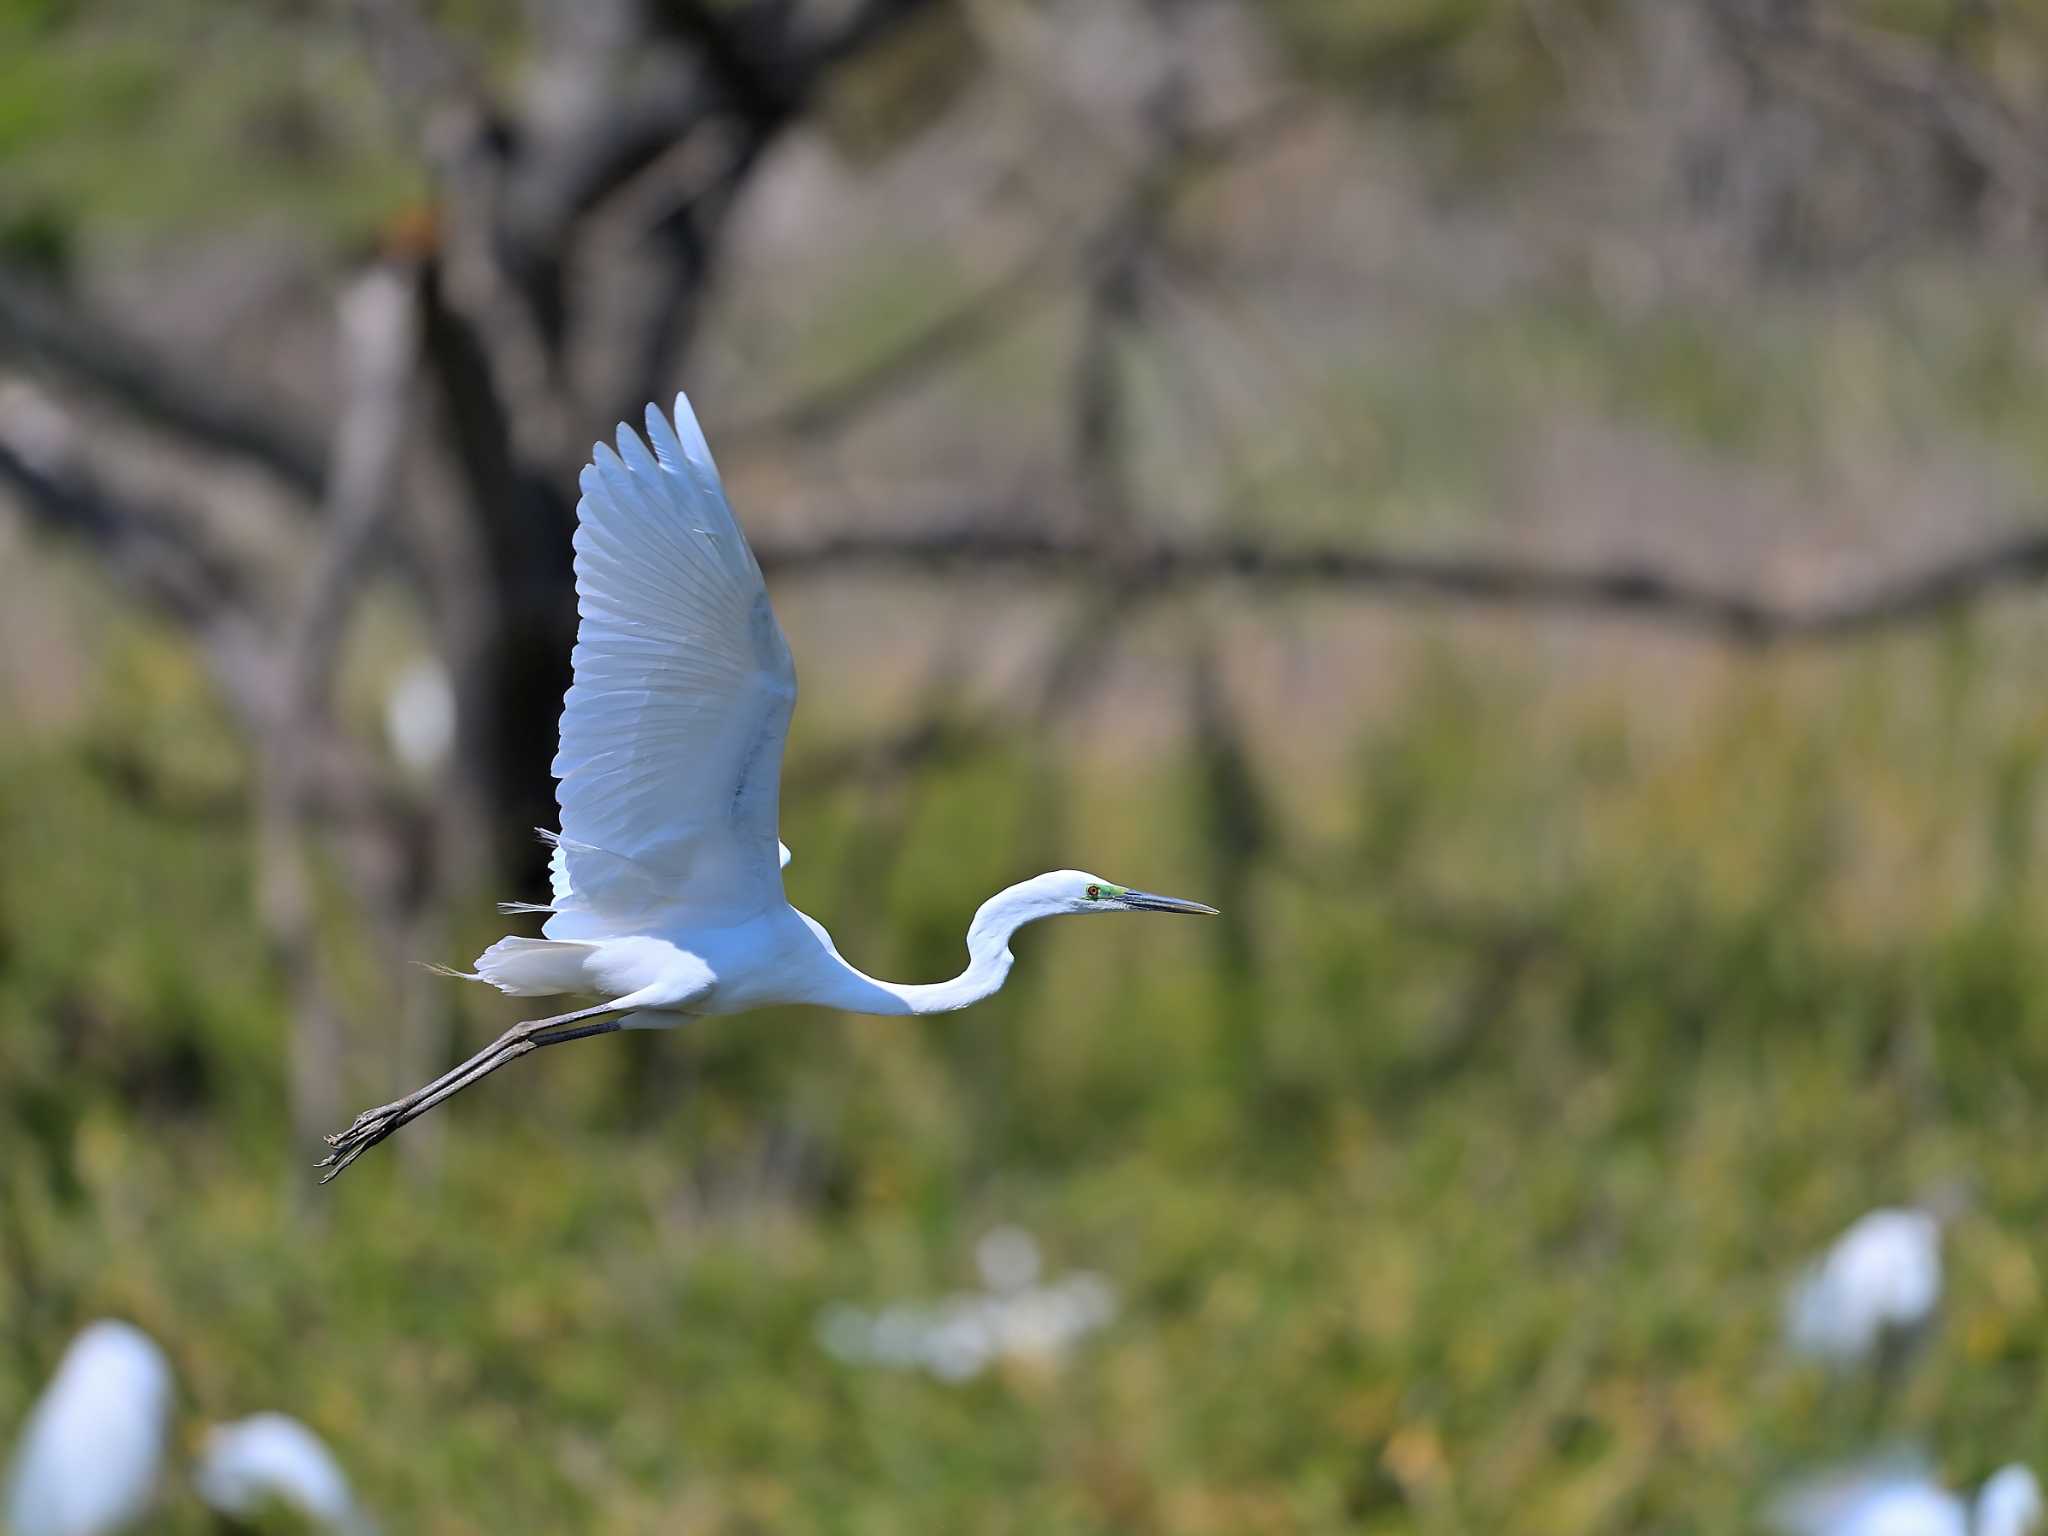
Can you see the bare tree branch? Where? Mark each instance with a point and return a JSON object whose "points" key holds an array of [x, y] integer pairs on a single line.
{"points": [[826, 407], [151, 553], [1483, 581], [523, 522], [155, 554], [1896, 86], [378, 322], [507, 318], [1117, 296], [39, 324]]}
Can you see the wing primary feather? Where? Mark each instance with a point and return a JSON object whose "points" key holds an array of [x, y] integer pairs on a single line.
{"points": [[695, 463], [633, 450], [696, 450], [673, 728], [668, 448]]}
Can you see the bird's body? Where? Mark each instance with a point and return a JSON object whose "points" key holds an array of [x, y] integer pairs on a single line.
{"points": [[780, 956], [92, 1453], [666, 892]]}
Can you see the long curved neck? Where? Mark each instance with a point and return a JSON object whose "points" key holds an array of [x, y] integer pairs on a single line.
{"points": [[988, 963]]}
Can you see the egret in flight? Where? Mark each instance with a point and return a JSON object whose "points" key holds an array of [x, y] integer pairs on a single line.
{"points": [[666, 876]]}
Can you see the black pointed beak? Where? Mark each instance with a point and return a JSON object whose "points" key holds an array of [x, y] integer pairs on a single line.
{"points": [[1145, 901]]}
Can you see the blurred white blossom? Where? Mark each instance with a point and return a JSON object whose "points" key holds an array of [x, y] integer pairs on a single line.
{"points": [[1898, 1496], [92, 1453], [271, 1458], [958, 1337], [419, 716], [1878, 1284], [1007, 1258]]}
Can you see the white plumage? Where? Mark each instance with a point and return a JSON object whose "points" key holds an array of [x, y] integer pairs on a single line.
{"points": [[91, 1455], [1880, 1281], [272, 1459], [666, 894]]}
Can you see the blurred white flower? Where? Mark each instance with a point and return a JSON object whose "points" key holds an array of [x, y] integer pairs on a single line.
{"points": [[1043, 1322], [844, 1332], [1898, 1496], [2010, 1504], [1007, 1258], [92, 1452], [419, 716], [271, 1458], [960, 1336], [1879, 1284]]}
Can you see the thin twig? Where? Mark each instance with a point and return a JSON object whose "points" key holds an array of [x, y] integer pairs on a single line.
{"points": [[826, 407], [1032, 280], [379, 323]]}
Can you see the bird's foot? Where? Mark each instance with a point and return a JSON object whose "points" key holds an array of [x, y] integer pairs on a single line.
{"points": [[373, 1125], [367, 1129]]}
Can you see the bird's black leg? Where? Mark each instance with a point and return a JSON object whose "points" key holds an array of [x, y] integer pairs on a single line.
{"points": [[373, 1125]]}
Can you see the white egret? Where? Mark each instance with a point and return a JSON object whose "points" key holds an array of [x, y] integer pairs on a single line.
{"points": [[92, 1453], [271, 1459], [1874, 1290], [1901, 1498], [667, 893]]}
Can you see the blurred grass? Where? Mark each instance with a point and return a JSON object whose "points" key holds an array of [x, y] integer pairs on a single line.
{"points": [[1451, 1185]]}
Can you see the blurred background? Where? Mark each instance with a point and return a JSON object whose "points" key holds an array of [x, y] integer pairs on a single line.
{"points": [[1530, 506]]}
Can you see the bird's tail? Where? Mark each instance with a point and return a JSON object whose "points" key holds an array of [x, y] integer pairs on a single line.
{"points": [[530, 967]]}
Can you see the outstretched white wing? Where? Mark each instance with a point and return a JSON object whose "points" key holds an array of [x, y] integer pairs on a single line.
{"points": [[672, 732]]}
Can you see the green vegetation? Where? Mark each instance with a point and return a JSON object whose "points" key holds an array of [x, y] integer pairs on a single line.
{"points": [[103, 130], [1451, 1183]]}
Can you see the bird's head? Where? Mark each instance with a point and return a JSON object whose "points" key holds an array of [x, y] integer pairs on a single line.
{"points": [[1076, 890], [1055, 895]]}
